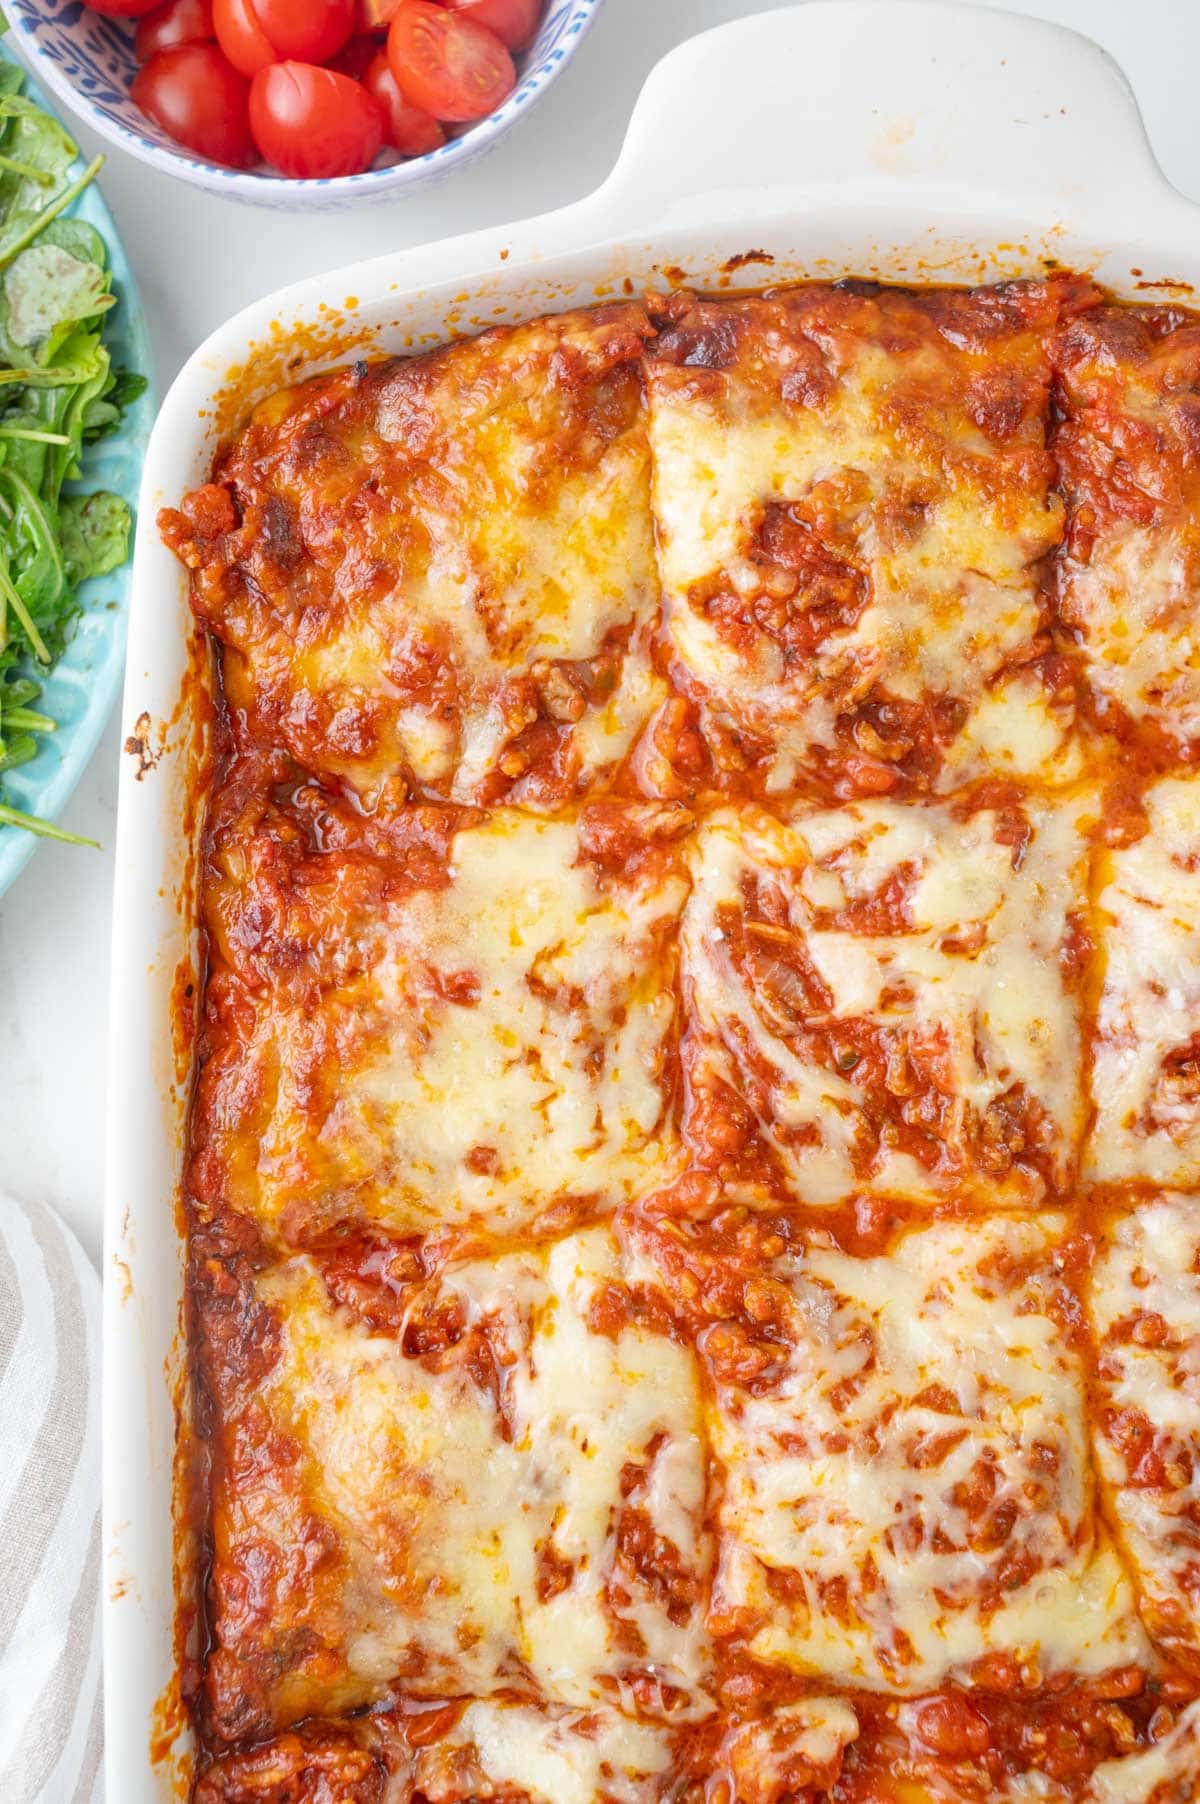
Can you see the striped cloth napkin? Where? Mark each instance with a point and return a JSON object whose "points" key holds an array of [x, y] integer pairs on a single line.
{"points": [[50, 1699]]}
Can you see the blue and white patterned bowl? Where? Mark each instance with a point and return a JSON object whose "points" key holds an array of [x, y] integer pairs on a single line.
{"points": [[88, 60], [80, 691]]}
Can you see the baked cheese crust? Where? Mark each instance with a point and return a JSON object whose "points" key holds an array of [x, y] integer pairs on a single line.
{"points": [[1145, 1301], [482, 1493], [693, 1181], [1129, 583], [907, 1496], [854, 499], [1146, 1056], [460, 1025], [885, 996], [434, 576]]}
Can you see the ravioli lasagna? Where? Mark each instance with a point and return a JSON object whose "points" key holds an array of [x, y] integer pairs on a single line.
{"points": [[693, 1181]]}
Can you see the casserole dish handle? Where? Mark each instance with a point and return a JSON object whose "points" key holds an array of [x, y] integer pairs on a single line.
{"points": [[915, 95]]}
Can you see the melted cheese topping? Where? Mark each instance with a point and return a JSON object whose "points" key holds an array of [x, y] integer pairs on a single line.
{"points": [[1145, 1299], [611, 1438], [1167, 1773], [909, 1489], [1136, 600], [1127, 459], [964, 999], [943, 524], [546, 1759], [1145, 1077], [502, 1051], [798, 1746], [558, 1066], [470, 1526], [1015, 730], [430, 554]]}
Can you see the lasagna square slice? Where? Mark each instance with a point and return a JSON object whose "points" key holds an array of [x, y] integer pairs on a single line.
{"points": [[1145, 1302], [1146, 1058], [853, 498], [906, 1495], [490, 1481], [1127, 451], [443, 1024], [437, 574], [885, 996]]}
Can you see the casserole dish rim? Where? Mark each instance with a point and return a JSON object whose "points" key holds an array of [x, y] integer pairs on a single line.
{"points": [[910, 187]]}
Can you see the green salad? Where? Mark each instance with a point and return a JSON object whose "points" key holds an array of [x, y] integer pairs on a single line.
{"points": [[58, 394]]}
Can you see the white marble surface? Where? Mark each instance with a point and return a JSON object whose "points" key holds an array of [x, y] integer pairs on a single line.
{"points": [[199, 259]]}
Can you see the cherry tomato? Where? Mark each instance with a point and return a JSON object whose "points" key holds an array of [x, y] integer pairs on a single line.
{"points": [[447, 64], [197, 96], [174, 22], [121, 9], [356, 57], [374, 15], [241, 36], [314, 122], [255, 33], [405, 127], [306, 31], [514, 22]]}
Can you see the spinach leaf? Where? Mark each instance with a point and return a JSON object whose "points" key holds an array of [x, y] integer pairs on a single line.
{"points": [[58, 393], [35, 156], [47, 290], [95, 533]]}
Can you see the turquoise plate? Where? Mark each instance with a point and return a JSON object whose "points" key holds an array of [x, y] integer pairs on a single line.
{"points": [[81, 689]]}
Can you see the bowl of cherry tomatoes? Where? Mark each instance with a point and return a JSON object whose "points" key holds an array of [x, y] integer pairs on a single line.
{"points": [[311, 103]]}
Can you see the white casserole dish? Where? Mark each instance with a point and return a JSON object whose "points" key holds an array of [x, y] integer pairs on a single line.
{"points": [[929, 142]]}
